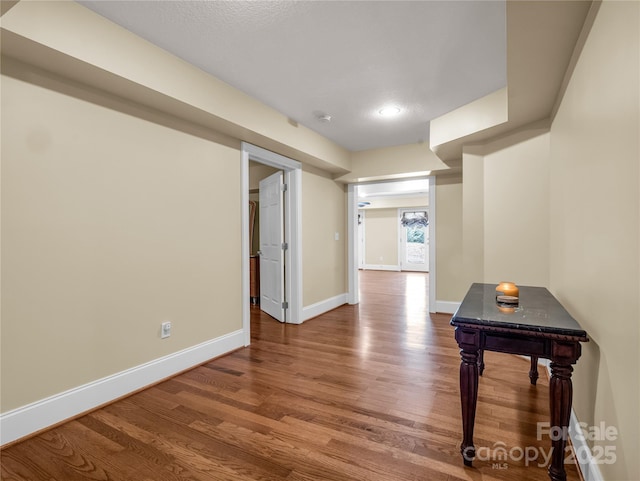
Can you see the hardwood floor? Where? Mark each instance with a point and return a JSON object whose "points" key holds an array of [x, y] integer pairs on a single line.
{"points": [[367, 392]]}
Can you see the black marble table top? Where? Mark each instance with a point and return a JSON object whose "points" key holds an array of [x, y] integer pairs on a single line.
{"points": [[537, 311]]}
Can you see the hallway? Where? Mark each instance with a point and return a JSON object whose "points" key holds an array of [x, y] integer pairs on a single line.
{"points": [[367, 392]]}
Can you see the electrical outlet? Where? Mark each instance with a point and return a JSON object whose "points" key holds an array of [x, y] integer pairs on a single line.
{"points": [[165, 329]]}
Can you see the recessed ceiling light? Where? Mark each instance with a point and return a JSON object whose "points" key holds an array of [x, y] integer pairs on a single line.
{"points": [[390, 111]]}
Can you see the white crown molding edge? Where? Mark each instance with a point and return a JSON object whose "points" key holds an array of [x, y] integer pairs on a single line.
{"points": [[32, 418]]}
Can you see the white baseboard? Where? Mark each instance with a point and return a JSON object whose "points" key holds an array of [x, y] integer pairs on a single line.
{"points": [[381, 267], [446, 307], [321, 307], [586, 462], [34, 417]]}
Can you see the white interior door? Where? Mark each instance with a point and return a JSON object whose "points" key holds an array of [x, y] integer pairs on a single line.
{"points": [[271, 247], [414, 240]]}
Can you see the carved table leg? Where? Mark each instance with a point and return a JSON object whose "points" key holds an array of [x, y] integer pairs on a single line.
{"points": [[469, 398], [533, 372], [560, 397], [480, 361]]}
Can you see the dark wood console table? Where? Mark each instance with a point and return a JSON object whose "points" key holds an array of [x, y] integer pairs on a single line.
{"points": [[540, 328]]}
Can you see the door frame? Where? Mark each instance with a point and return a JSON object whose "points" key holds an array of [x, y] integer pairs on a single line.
{"points": [[360, 226], [432, 245], [353, 247], [292, 231]]}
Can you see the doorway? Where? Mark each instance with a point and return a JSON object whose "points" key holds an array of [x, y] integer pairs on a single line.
{"points": [[413, 247], [354, 245], [292, 216]]}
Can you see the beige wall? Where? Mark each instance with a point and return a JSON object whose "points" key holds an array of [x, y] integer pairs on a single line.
{"points": [[117, 228], [516, 211], [381, 237], [324, 259], [400, 161], [506, 210], [451, 282], [110, 225], [574, 208], [257, 172], [473, 117], [472, 219], [595, 251]]}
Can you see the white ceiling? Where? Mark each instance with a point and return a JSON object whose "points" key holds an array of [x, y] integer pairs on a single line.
{"points": [[346, 59]]}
